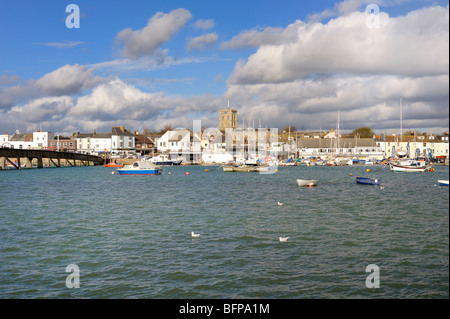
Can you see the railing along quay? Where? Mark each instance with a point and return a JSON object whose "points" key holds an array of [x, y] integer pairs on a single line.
{"points": [[55, 157]]}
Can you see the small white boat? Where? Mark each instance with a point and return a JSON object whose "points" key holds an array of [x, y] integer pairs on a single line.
{"points": [[164, 160], [409, 166], [246, 168], [443, 182], [140, 168], [307, 182]]}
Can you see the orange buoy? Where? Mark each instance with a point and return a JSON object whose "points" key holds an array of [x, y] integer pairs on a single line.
{"points": [[350, 174], [187, 173]]}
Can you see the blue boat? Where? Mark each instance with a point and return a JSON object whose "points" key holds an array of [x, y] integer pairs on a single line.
{"points": [[443, 182], [140, 168], [368, 181]]}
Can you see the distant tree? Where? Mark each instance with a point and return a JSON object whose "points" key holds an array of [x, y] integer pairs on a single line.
{"points": [[166, 128], [293, 128], [363, 132]]}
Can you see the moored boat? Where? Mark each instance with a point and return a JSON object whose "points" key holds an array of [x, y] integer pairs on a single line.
{"points": [[140, 168], [113, 164], [443, 182], [246, 168], [307, 182], [164, 160], [368, 181], [411, 166]]}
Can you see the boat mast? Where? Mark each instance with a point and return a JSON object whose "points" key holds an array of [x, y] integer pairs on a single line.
{"points": [[401, 122], [337, 150]]}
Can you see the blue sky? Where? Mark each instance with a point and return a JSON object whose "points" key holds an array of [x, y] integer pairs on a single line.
{"points": [[153, 63]]}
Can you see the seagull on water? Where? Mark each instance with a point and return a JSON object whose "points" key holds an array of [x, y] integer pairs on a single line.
{"points": [[194, 235], [283, 238], [280, 204]]}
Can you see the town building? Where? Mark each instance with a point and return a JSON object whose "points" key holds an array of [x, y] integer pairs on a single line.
{"points": [[181, 144], [144, 144], [228, 118], [119, 141], [63, 144], [35, 140], [122, 139], [4, 140]]}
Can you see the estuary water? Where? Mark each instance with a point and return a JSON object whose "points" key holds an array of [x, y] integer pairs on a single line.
{"points": [[130, 237]]}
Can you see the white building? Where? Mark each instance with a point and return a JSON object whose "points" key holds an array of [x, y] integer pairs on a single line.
{"points": [[93, 142], [122, 139], [181, 144], [213, 147], [118, 141], [35, 140], [177, 141], [40, 139], [4, 140]]}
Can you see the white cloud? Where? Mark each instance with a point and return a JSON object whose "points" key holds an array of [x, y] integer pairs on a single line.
{"points": [[416, 44], [159, 29], [62, 45], [118, 102], [254, 38], [202, 42], [204, 24], [363, 101], [67, 80], [45, 109]]}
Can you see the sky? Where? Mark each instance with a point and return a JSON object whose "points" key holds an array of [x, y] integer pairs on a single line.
{"points": [[148, 64]]}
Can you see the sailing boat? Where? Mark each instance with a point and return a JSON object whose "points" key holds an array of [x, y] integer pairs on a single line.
{"points": [[400, 152], [406, 164]]}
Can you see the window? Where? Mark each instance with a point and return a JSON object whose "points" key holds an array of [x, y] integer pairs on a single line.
{"points": [[70, 144]]}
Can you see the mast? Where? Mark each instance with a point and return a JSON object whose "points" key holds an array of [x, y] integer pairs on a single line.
{"points": [[338, 131], [401, 122]]}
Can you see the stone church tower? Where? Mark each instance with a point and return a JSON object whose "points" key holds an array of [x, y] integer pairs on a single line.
{"points": [[228, 118]]}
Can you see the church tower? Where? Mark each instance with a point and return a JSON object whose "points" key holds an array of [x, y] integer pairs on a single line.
{"points": [[227, 118]]}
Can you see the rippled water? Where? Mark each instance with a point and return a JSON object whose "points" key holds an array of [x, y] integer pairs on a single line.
{"points": [[130, 235]]}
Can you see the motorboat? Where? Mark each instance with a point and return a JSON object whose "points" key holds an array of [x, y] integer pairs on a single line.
{"points": [[164, 159], [140, 168], [443, 182], [409, 166], [113, 164], [307, 182], [368, 180], [246, 168]]}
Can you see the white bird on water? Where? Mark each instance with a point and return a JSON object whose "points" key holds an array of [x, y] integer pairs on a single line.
{"points": [[280, 204], [283, 238], [194, 235]]}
